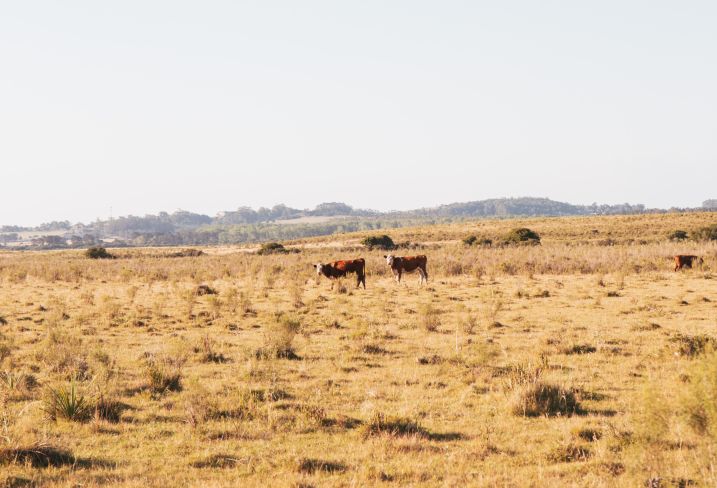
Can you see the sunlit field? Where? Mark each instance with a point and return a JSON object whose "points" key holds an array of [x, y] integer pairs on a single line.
{"points": [[583, 361]]}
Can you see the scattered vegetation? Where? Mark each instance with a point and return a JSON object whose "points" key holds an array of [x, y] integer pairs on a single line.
{"points": [[519, 341]]}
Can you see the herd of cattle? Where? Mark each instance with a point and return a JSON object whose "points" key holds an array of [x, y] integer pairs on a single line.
{"points": [[398, 264], [409, 264]]}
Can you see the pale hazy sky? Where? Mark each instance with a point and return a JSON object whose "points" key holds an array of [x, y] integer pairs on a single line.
{"points": [[145, 106]]}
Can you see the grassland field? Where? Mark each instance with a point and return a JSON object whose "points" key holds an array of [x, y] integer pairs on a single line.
{"points": [[584, 361]]}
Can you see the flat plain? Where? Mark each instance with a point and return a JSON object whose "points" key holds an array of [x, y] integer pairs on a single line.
{"points": [[583, 361]]}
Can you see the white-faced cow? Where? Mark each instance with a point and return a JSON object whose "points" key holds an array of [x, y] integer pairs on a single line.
{"points": [[339, 269], [408, 264]]}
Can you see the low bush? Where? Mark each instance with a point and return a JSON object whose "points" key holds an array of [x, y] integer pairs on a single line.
{"points": [[98, 253], [474, 240], [383, 242], [678, 235], [274, 248], [521, 236]]}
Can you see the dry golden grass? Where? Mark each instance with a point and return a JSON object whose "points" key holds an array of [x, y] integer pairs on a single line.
{"points": [[580, 362]]}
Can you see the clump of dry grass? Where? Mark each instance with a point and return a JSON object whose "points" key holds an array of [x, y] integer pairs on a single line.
{"points": [[279, 337], [108, 409], [580, 349], [382, 424], [545, 399], [491, 308], [694, 345], [312, 465], [207, 351], [700, 400], [39, 455], [569, 454], [430, 317], [205, 290], [65, 354], [164, 373]]}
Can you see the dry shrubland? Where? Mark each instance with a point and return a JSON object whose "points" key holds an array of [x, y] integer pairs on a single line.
{"points": [[584, 360]]}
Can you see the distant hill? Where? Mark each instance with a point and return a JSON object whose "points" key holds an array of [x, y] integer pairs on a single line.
{"points": [[246, 224]]}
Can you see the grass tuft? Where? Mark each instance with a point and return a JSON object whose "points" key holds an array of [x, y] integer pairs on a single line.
{"points": [[541, 399]]}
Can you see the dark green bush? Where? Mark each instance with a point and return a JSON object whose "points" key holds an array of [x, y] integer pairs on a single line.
{"points": [[98, 253], [379, 242], [272, 248], [477, 241], [678, 235], [522, 236]]}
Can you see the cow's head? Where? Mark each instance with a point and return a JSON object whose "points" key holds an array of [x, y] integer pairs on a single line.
{"points": [[319, 268], [389, 259]]}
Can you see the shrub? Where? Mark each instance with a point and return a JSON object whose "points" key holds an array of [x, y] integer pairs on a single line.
{"points": [[708, 233], [98, 253], [473, 240], [521, 236], [545, 399], [67, 403], [273, 248], [379, 242], [678, 235]]}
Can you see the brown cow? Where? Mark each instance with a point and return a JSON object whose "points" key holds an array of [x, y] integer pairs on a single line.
{"points": [[686, 261], [339, 269], [408, 264]]}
